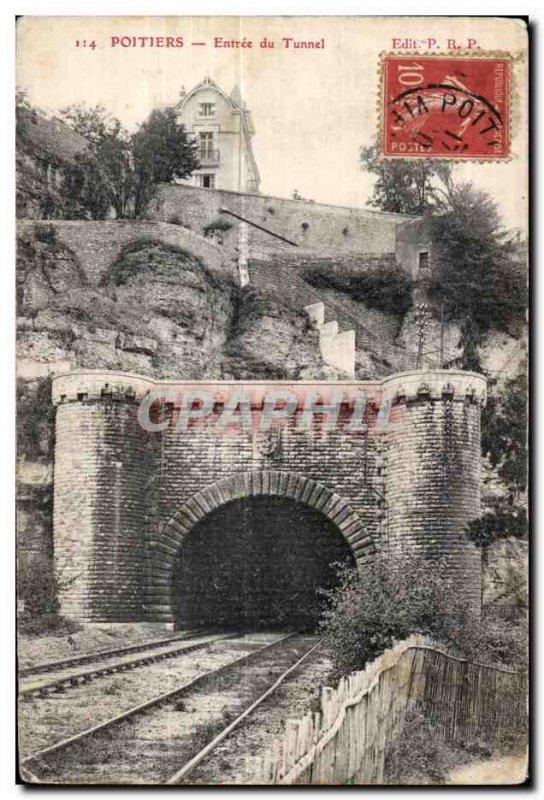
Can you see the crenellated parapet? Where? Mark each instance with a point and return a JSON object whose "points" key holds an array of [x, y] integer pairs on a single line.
{"points": [[98, 385], [440, 384]]}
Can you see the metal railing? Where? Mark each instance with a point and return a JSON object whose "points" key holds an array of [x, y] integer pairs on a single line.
{"points": [[208, 157]]}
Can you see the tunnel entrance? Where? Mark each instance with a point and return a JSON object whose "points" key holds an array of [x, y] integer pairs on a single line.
{"points": [[257, 562]]}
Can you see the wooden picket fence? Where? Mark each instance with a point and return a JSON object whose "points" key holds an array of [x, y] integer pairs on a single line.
{"points": [[346, 742]]}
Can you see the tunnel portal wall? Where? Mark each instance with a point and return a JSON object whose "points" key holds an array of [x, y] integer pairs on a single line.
{"points": [[126, 499]]}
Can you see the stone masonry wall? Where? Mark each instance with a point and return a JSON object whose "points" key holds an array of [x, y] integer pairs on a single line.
{"points": [[98, 243], [190, 462], [312, 225]]}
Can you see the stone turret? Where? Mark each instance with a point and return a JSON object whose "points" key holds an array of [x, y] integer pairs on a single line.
{"points": [[432, 469], [103, 462]]}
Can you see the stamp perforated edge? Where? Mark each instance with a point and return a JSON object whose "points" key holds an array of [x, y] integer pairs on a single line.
{"points": [[446, 54]]}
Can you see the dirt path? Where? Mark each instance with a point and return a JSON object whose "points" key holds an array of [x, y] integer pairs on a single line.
{"points": [[503, 770]]}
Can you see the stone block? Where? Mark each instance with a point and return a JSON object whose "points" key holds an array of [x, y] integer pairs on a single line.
{"points": [[316, 314], [339, 351]]}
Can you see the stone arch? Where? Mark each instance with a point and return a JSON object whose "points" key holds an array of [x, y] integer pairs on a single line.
{"points": [[277, 483]]}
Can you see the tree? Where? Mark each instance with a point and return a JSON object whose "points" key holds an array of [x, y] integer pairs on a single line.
{"points": [[405, 186], [162, 152], [120, 171], [94, 124], [480, 269], [504, 433], [480, 273], [102, 178], [504, 442]]}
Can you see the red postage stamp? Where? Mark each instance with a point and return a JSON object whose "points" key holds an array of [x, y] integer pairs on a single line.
{"points": [[445, 107]]}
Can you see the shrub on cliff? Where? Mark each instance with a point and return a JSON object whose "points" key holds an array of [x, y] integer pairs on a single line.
{"points": [[386, 288], [35, 418], [481, 270], [217, 226], [151, 259], [144, 256]]}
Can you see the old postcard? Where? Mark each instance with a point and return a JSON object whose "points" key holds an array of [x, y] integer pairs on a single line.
{"points": [[272, 294]]}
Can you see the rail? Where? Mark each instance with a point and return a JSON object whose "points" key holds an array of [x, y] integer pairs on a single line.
{"points": [[97, 655], [73, 679], [197, 759], [35, 761]]}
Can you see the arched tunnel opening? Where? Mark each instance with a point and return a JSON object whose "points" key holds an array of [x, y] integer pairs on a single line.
{"points": [[258, 562]]}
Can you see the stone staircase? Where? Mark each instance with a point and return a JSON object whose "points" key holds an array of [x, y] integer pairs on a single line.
{"points": [[337, 348], [284, 282]]}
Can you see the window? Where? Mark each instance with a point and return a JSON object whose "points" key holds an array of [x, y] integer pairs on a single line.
{"points": [[207, 109], [424, 261], [206, 144], [207, 181]]}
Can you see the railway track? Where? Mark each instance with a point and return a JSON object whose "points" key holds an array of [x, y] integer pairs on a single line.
{"points": [[107, 663], [163, 740], [97, 655]]}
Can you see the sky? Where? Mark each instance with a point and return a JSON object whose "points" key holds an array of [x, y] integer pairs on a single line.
{"points": [[312, 108]]}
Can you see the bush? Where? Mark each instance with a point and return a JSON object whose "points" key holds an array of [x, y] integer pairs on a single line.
{"points": [[36, 586], [387, 603], [369, 611], [501, 642], [141, 256], [48, 624], [386, 288], [217, 225], [35, 418]]}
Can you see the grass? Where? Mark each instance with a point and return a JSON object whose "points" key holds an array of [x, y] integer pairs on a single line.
{"points": [[48, 624], [417, 756]]}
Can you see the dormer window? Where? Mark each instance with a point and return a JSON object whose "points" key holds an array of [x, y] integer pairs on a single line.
{"points": [[207, 109]]}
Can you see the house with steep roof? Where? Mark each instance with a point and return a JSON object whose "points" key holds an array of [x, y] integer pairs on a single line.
{"points": [[223, 128]]}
